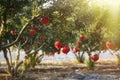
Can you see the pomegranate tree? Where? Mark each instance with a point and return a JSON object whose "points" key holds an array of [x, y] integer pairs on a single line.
{"points": [[88, 42], [26, 31]]}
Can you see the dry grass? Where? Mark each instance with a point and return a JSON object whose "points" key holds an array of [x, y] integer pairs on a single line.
{"points": [[107, 61]]}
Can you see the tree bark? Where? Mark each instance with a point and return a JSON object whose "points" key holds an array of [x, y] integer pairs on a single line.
{"points": [[7, 61]]}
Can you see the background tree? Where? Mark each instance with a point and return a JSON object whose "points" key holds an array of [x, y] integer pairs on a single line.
{"points": [[90, 23]]}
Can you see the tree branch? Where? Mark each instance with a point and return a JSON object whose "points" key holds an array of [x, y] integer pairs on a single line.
{"points": [[17, 66], [20, 33], [36, 50], [18, 52], [7, 60]]}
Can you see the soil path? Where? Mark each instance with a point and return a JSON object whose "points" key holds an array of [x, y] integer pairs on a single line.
{"points": [[74, 72]]}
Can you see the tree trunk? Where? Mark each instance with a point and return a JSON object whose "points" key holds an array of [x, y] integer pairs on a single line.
{"points": [[7, 61], [10, 56]]}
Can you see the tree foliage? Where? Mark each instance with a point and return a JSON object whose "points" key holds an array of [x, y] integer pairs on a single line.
{"points": [[68, 19]]}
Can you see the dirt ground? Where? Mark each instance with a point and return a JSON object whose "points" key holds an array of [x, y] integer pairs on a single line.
{"points": [[75, 72], [72, 72]]}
